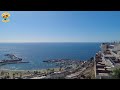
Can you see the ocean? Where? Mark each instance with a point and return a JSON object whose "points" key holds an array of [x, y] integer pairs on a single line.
{"points": [[36, 53]]}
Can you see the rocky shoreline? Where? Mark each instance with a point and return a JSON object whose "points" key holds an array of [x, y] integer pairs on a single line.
{"points": [[76, 70]]}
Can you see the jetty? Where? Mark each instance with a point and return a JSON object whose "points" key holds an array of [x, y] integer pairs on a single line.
{"points": [[13, 60]]}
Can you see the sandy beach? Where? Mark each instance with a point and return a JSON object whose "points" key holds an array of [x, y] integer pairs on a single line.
{"points": [[12, 74]]}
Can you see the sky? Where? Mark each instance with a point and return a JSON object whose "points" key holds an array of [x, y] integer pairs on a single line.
{"points": [[61, 26]]}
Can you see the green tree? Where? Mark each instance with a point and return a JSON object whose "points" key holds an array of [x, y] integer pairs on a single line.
{"points": [[52, 70], [116, 73], [13, 76]]}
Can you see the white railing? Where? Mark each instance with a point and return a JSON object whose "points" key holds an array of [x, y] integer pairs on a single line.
{"points": [[108, 62]]}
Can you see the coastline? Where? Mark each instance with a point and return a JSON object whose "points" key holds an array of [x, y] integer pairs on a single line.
{"points": [[26, 73], [77, 70], [29, 70], [72, 66], [73, 51]]}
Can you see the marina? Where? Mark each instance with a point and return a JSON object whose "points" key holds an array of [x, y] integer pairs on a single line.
{"points": [[36, 53], [65, 62], [99, 66], [74, 71], [59, 45]]}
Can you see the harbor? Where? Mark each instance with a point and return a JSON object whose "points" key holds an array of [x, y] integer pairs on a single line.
{"points": [[99, 66], [64, 63], [75, 70]]}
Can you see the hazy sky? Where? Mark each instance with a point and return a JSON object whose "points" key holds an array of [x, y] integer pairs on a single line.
{"points": [[61, 26]]}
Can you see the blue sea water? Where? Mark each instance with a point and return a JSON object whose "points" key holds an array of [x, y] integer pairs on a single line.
{"points": [[35, 53]]}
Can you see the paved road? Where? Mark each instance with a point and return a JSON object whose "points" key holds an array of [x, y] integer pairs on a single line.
{"points": [[74, 75]]}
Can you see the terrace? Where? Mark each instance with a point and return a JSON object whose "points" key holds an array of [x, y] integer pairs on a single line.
{"points": [[107, 60], [102, 68]]}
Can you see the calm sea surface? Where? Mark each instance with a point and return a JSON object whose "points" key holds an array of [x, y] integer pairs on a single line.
{"points": [[35, 53]]}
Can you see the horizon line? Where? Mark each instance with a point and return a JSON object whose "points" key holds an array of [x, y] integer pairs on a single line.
{"points": [[51, 42]]}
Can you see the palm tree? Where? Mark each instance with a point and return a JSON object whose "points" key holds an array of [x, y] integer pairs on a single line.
{"points": [[60, 69], [20, 75], [48, 71], [13, 76]]}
